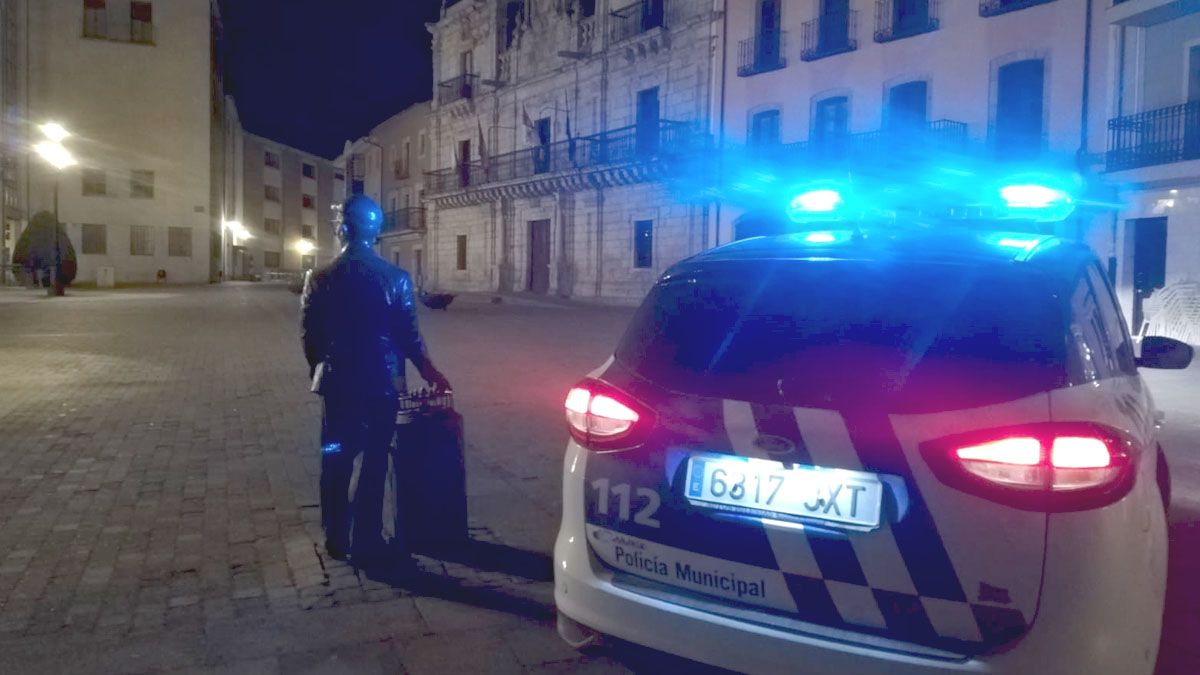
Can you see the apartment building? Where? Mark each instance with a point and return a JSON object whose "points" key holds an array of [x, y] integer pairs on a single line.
{"points": [[138, 87], [281, 220], [1153, 158], [404, 138], [14, 105], [555, 127]]}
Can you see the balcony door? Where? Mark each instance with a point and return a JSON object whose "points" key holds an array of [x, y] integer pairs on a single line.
{"points": [[1191, 134], [1019, 107], [909, 16], [831, 121], [907, 106], [539, 256], [647, 121], [652, 14], [768, 36], [464, 163], [835, 25]]}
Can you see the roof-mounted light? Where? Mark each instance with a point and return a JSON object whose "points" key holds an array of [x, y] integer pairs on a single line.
{"points": [[1036, 201]]}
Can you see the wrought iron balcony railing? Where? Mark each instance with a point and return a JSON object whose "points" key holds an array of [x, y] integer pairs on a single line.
{"points": [[762, 53], [998, 7], [624, 145], [1161, 136], [898, 19], [937, 136], [404, 220], [830, 34], [637, 18], [457, 88]]}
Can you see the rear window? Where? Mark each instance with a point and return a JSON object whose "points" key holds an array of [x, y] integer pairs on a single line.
{"points": [[845, 333]]}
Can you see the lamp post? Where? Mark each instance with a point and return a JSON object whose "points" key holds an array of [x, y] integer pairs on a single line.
{"points": [[52, 150]]}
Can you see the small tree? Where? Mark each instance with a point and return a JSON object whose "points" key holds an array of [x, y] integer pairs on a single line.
{"points": [[45, 246]]}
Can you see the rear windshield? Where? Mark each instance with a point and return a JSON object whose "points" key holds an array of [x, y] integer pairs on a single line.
{"points": [[844, 333]]}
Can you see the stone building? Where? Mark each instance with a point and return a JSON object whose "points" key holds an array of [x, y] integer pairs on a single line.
{"points": [[404, 138], [280, 218], [138, 85], [554, 124]]}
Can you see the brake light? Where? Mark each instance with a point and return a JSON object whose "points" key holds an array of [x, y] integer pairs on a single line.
{"points": [[600, 418], [1052, 466]]}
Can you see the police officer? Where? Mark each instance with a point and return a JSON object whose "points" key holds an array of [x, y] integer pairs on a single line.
{"points": [[359, 325]]}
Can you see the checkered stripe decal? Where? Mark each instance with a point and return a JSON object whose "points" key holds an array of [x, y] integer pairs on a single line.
{"points": [[916, 596]]}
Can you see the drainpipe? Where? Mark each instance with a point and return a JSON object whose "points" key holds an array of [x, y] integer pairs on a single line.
{"points": [[721, 116], [1082, 155]]}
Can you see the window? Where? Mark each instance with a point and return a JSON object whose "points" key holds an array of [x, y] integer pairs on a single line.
{"points": [[179, 242], [921, 334], [308, 262], [907, 105], [1092, 358], [831, 120], [1113, 325], [768, 36], [1018, 120], [587, 7], [512, 19], [271, 259], [461, 262], [141, 184], [643, 243], [309, 170], [406, 158], [141, 240], [95, 19], [339, 175], [141, 23], [95, 239], [272, 226], [647, 121], [271, 193], [764, 128], [94, 182], [309, 201], [306, 231], [271, 159], [422, 144]]}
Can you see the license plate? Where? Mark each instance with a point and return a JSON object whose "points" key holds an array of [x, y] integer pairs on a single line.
{"points": [[767, 487]]}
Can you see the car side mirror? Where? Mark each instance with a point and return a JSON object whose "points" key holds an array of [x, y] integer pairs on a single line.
{"points": [[1164, 352]]}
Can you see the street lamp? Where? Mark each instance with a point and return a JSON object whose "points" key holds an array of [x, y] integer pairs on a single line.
{"points": [[305, 247], [57, 156]]}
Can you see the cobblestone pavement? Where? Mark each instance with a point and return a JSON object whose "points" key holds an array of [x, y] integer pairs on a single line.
{"points": [[158, 503]]}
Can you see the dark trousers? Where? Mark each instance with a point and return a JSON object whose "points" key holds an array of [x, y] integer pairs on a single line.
{"points": [[353, 426]]}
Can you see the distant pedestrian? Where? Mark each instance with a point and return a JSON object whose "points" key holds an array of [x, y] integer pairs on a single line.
{"points": [[359, 326]]}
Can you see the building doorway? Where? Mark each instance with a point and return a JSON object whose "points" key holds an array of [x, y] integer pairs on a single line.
{"points": [[1149, 239], [539, 256]]}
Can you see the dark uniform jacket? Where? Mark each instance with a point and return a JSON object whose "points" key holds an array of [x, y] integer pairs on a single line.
{"points": [[359, 324]]}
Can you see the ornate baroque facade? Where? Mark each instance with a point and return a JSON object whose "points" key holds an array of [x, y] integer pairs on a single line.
{"points": [[553, 125]]}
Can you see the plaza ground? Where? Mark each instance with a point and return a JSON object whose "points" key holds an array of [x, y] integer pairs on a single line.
{"points": [[158, 505]]}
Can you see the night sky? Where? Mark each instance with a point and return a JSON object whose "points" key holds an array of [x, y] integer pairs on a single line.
{"points": [[314, 73]]}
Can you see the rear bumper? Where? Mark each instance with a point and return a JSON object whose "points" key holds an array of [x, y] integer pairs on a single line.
{"points": [[1103, 625]]}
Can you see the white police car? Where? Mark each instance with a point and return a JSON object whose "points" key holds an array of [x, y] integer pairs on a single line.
{"points": [[861, 451]]}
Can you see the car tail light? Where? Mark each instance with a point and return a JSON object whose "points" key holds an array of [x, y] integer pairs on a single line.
{"points": [[602, 418], [1044, 467]]}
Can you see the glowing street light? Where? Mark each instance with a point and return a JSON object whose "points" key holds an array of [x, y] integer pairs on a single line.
{"points": [[305, 246], [54, 153], [237, 230], [54, 131]]}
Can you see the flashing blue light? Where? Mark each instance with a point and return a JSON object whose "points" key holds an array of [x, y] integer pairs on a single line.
{"points": [[1019, 241], [820, 238], [1012, 242], [817, 201], [1033, 196]]}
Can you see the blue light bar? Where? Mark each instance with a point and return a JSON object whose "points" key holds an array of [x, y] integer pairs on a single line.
{"points": [[817, 201]]}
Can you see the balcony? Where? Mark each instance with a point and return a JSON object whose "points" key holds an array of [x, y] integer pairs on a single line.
{"points": [[762, 54], [640, 17], [1154, 137], [830, 34], [937, 136], [457, 89], [619, 146], [998, 7], [404, 220], [897, 19]]}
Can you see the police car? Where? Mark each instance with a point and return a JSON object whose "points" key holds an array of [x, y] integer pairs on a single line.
{"points": [[872, 450]]}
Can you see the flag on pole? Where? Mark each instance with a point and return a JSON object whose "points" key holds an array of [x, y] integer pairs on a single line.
{"points": [[530, 128], [484, 159], [570, 136]]}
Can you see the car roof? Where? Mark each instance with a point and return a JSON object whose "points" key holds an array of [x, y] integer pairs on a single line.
{"points": [[916, 245]]}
